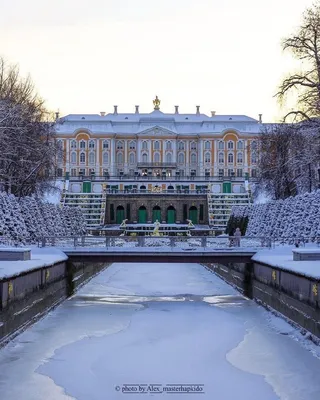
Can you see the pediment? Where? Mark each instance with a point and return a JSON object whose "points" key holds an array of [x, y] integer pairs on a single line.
{"points": [[157, 130]]}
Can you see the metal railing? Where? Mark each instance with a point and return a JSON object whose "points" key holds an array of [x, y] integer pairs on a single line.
{"points": [[179, 241]]}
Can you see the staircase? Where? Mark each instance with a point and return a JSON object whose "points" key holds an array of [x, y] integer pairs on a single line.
{"points": [[220, 205]]}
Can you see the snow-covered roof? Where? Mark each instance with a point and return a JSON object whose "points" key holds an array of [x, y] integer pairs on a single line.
{"points": [[176, 123]]}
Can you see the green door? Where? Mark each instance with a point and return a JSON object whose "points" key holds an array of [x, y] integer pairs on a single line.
{"points": [[156, 214], [171, 215], [226, 187], [193, 214], [142, 215], [86, 188], [119, 215]]}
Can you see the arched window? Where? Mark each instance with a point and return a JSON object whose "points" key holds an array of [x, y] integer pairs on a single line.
{"points": [[156, 157], [240, 145], [207, 145], [91, 144], [240, 157], [207, 158], [221, 158], [82, 144], [132, 158], [168, 145], [105, 158], [105, 144], [181, 158], [156, 145], [91, 158], [221, 145], [168, 157], [144, 157], [253, 157], [132, 145], [181, 146], [144, 145], [73, 157], [73, 144], [230, 145], [82, 157], [193, 158], [230, 158], [253, 145], [119, 145], [120, 158], [60, 156], [193, 146]]}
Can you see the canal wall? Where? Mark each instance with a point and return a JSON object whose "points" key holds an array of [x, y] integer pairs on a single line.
{"points": [[293, 294], [29, 291]]}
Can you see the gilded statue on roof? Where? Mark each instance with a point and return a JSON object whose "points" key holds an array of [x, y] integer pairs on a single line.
{"points": [[156, 103]]}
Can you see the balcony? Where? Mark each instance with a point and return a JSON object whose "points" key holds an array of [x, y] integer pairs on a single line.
{"points": [[156, 165]]}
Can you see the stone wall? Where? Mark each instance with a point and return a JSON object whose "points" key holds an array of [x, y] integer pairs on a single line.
{"points": [[178, 201]]}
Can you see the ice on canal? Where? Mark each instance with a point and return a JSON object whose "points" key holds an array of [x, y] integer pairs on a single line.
{"points": [[143, 328]]}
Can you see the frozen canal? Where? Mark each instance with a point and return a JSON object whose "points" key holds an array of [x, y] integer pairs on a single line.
{"points": [[136, 325]]}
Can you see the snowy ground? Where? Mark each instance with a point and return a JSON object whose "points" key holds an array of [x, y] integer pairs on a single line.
{"points": [[159, 324]]}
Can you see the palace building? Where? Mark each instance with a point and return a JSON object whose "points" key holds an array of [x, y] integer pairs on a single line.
{"points": [[165, 166]]}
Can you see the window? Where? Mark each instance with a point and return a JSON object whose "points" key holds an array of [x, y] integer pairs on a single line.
{"points": [[144, 145], [230, 145], [59, 172], [240, 145], [168, 146], [105, 158], [193, 146], [193, 158], [253, 158], [73, 144], [82, 157], [144, 157], [82, 171], [156, 157], [230, 172], [156, 145], [73, 157], [254, 173], [119, 158], [82, 144], [105, 144], [91, 144], [73, 172], [253, 145], [230, 158], [60, 156], [92, 158], [181, 158], [221, 145], [132, 158], [132, 145], [221, 172], [181, 146], [207, 158], [221, 158], [119, 145], [168, 157], [239, 173], [240, 158], [207, 145]]}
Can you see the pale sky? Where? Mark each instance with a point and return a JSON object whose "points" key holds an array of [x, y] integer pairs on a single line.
{"points": [[87, 55]]}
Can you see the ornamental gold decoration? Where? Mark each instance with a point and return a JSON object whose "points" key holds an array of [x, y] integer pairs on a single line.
{"points": [[315, 289], [274, 275], [156, 103]]}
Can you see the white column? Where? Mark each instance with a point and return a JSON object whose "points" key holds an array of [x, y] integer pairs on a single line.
{"points": [[68, 155], [187, 166], [98, 157], [245, 144], [125, 156], [200, 150], [174, 151], [112, 156]]}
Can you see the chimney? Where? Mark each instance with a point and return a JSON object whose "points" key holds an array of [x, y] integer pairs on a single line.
{"points": [[213, 113], [260, 118], [137, 109], [115, 110], [57, 115], [176, 109], [198, 110], [102, 113]]}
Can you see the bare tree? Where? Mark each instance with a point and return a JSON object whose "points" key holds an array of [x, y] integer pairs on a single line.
{"points": [[27, 140], [304, 46]]}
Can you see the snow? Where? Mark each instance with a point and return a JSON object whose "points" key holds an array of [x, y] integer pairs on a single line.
{"points": [[39, 258], [54, 197], [158, 323], [282, 257]]}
